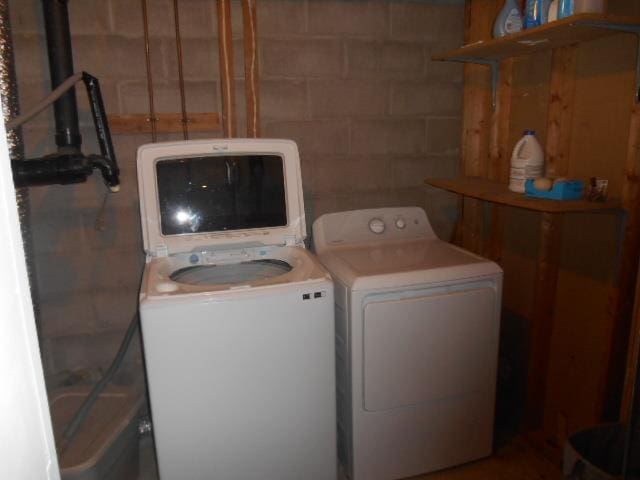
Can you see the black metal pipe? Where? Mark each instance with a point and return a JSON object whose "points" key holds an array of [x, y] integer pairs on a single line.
{"points": [[58, 168], [56, 22], [70, 165], [107, 164]]}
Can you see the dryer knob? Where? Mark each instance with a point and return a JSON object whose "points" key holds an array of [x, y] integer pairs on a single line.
{"points": [[376, 225], [400, 223]]}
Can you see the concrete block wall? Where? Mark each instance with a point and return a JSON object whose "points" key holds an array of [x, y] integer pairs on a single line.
{"points": [[350, 80]]}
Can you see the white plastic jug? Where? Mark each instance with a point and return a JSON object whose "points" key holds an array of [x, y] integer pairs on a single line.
{"points": [[527, 161]]}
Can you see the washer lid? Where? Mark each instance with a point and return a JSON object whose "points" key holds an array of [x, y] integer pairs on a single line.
{"points": [[221, 192], [404, 263]]}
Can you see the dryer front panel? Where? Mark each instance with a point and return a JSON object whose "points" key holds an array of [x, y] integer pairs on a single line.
{"points": [[428, 349]]}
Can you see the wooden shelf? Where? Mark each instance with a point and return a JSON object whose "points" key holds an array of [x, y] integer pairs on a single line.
{"points": [[495, 192], [568, 31]]}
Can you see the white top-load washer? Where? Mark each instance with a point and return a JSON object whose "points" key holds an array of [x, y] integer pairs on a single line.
{"points": [[236, 315], [417, 325]]}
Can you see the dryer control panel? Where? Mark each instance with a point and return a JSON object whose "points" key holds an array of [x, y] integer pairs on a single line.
{"points": [[372, 225]]}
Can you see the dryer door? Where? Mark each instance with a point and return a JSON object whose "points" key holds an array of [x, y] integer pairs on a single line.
{"points": [[429, 348]]}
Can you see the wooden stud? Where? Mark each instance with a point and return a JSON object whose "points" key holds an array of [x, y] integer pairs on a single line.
{"points": [[251, 79], [560, 114], [225, 45], [499, 152], [479, 18], [633, 358], [542, 322], [499, 156], [559, 123], [621, 298], [164, 123], [472, 225]]}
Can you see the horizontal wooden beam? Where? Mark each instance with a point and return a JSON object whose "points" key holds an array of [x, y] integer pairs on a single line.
{"points": [[165, 123]]}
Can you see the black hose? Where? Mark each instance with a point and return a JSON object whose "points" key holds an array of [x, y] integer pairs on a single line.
{"points": [[72, 427]]}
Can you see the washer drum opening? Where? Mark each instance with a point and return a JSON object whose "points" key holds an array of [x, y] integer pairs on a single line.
{"points": [[254, 270]]}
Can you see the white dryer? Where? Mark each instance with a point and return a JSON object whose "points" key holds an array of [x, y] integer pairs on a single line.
{"points": [[237, 316], [417, 325]]}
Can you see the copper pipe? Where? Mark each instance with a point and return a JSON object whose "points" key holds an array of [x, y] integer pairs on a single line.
{"points": [[225, 44], [183, 103], [251, 79], [147, 54]]}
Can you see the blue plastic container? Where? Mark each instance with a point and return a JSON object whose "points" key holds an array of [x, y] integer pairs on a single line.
{"points": [[534, 13], [568, 190], [566, 8]]}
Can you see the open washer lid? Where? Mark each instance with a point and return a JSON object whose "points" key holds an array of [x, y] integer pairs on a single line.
{"points": [[231, 193]]}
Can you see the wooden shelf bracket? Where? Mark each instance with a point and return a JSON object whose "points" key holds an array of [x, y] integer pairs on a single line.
{"points": [[495, 73]]}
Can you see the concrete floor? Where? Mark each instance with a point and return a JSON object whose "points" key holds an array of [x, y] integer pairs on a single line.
{"points": [[515, 461]]}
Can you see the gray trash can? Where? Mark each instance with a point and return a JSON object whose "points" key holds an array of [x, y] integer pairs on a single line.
{"points": [[596, 453]]}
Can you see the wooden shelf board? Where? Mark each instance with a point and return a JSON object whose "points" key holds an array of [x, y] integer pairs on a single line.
{"points": [[560, 33], [496, 192]]}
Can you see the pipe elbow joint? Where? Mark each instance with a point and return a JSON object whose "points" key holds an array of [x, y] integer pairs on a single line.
{"points": [[110, 172]]}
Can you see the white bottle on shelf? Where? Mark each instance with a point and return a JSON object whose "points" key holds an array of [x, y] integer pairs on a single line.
{"points": [[553, 11], [527, 161]]}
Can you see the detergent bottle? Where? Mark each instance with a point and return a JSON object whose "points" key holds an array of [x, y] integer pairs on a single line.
{"points": [[566, 8], [536, 13], [509, 19], [527, 161]]}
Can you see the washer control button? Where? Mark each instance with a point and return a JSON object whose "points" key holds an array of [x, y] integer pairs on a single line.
{"points": [[376, 225], [400, 223]]}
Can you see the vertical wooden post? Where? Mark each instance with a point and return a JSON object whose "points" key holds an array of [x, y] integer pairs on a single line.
{"points": [[251, 77], [479, 18], [621, 298], [147, 56], [632, 362], [499, 155], [225, 45], [183, 101], [561, 97], [559, 120], [542, 322]]}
